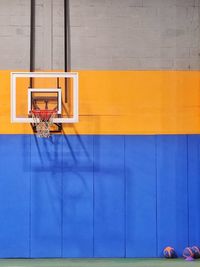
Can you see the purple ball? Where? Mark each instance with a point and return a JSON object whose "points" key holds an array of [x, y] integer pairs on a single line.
{"points": [[187, 252], [196, 251]]}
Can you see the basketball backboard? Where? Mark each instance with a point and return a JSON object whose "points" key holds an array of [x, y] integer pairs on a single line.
{"points": [[47, 89]]}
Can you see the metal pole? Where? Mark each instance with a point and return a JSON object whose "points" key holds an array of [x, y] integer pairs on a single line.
{"points": [[66, 67], [32, 39]]}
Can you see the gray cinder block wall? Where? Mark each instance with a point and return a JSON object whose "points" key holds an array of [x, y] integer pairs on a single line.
{"points": [[105, 34]]}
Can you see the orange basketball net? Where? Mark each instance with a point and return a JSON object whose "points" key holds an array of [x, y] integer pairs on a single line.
{"points": [[43, 119]]}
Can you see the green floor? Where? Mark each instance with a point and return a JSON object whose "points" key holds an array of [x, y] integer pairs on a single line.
{"points": [[98, 262]]}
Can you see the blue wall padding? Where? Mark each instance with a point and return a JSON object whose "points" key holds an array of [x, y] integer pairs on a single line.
{"points": [[172, 198], [109, 205], [46, 174], [140, 178], [14, 196], [194, 189], [98, 196], [77, 196]]}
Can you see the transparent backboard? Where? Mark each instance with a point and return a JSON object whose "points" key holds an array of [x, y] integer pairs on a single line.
{"points": [[48, 89]]}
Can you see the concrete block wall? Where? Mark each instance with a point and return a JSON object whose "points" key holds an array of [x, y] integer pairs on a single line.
{"points": [[14, 34], [140, 34], [107, 34]]}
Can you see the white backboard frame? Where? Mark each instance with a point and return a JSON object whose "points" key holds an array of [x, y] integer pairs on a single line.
{"points": [[15, 75]]}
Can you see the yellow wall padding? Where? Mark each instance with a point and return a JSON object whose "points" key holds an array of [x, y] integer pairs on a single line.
{"points": [[125, 102]]}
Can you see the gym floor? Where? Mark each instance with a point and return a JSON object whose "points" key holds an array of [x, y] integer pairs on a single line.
{"points": [[114, 262]]}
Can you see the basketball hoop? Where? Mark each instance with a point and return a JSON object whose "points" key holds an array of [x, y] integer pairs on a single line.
{"points": [[43, 120]]}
